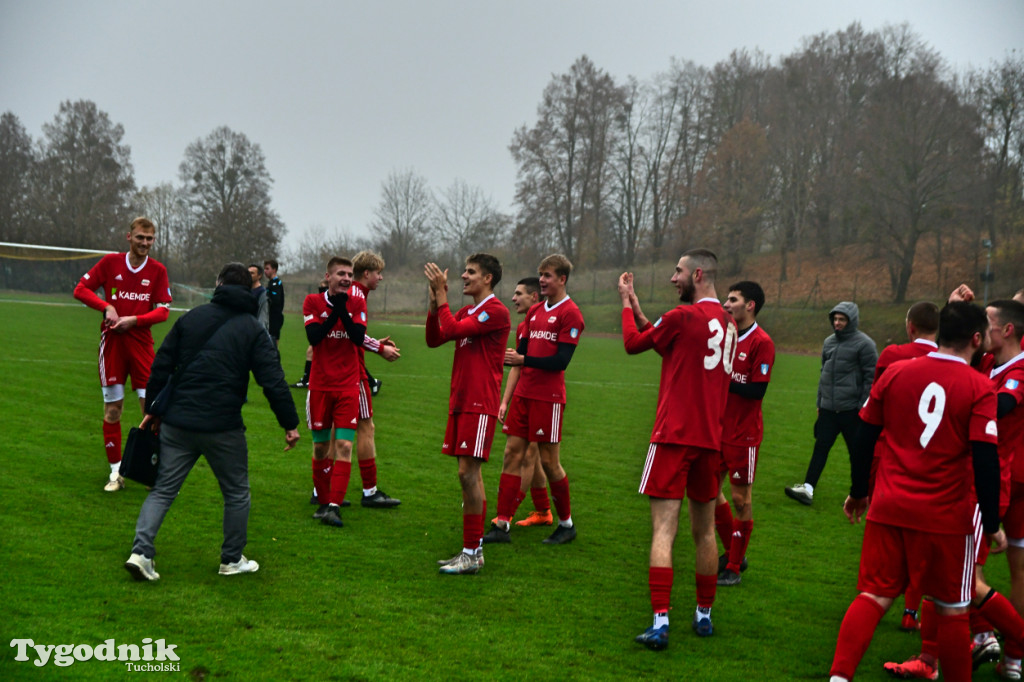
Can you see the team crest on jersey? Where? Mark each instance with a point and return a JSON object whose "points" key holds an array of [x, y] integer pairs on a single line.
{"points": [[1012, 384], [484, 316], [574, 332], [551, 320], [362, 316], [658, 322], [145, 282], [764, 368], [991, 429], [742, 356], [86, 276]]}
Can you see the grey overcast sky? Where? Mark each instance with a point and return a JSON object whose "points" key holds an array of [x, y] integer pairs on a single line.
{"points": [[338, 94]]}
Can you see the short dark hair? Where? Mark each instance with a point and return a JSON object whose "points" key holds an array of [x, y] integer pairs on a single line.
{"points": [[1009, 311], [272, 263], [532, 284], [750, 291], [488, 264], [959, 321], [704, 259], [234, 273], [257, 266], [925, 316]]}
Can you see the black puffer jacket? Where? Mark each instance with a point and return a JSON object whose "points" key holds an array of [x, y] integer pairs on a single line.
{"points": [[848, 360], [208, 396]]}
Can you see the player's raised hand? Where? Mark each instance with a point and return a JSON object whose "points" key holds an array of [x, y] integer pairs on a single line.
{"points": [[854, 508], [438, 278], [626, 285], [961, 293]]}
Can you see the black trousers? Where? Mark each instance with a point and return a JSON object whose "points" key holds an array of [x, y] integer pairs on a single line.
{"points": [[826, 429]]}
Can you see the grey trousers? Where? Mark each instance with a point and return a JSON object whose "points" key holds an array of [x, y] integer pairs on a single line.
{"points": [[228, 456]]}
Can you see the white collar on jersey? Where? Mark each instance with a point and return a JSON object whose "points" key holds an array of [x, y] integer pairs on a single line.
{"points": [[927, 342], [946, 356], [472, 311], [996, 371], [128, 262], [709, 298], [549, 308], [747, 333]]}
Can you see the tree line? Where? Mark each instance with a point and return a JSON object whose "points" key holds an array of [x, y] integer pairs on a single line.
{"points": [[856, 137]]}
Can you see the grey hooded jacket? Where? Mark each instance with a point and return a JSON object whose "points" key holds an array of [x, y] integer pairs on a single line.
{"points": [[848, 360]]}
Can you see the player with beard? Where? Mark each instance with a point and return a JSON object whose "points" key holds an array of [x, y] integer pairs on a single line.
{"points": [[697, 343], [938, 419], [137, 295]]}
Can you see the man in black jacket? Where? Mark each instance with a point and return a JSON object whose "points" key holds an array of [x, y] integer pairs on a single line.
{"points": [[209, 353]]}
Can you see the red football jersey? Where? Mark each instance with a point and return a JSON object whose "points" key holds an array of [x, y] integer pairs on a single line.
{"points": [[132, 291], [903, 351], [336, 365], [697, 344], [929, 410], [520, 332], [480, 333], [1009, 378], [360, 292], [755, 355], [546, 327]]}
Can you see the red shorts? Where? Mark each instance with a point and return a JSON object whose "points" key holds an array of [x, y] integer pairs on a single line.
{"points": [[537, 421], [1013, 519], [739, 462], [677, 471], [120, 357], [326, 409], [942, 566], [365, 399], [469, 435]]}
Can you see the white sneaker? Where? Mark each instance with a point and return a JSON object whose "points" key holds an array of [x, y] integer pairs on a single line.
{"points": [[243, 565], [141, 568], [803, 493], [114, 484]]}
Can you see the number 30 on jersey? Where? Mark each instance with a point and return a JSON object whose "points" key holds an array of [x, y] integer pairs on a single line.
{"points": [[722, 344]]}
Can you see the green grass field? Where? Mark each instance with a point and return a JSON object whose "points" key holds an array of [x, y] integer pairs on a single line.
{"points": [[366, 602]]}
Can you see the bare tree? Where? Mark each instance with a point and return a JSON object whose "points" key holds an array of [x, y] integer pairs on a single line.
{"points": [[467, 221], [168, 207], [921, 150], [316, 247], [403, 216], [634, 171], [563, 159]]}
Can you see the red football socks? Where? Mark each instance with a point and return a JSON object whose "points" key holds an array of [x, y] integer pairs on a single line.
{"points": [[368, 472], [740, 540], [560, 494], [724, 524], [540, 499], [855, 635], [508, 488], [341, 472], [998, 610], [955, 646], [929, 629], [659, 578], [322, 479], [112, 441], [706, 586]]}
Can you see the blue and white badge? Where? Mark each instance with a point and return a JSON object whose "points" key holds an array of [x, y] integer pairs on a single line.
{"points": [[574, 332], [764, 368], [363, 316], [484, 316], [1012, 384], [658, 322]]}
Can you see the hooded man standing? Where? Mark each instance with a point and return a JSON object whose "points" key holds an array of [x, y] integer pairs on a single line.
{"points": [[848, 360]]}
